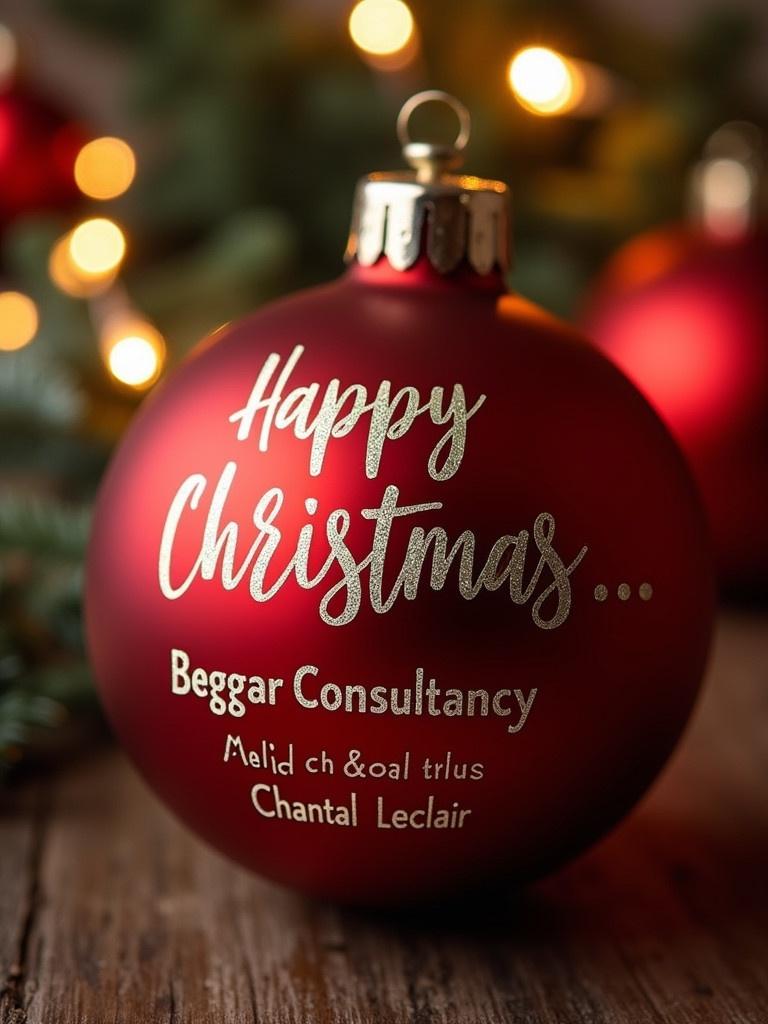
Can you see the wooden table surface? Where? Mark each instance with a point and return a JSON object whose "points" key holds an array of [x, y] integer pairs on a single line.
{"points": [[110, 911]]}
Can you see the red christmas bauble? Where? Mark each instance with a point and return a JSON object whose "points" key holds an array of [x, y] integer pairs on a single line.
{"points": [[684, 314], [398, 585], [38, 147]]}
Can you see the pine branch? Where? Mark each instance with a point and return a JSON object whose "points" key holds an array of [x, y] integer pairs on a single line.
{"points": [[43, 527], [67, 685], [36, 392], [43, 699], [20, 713]]}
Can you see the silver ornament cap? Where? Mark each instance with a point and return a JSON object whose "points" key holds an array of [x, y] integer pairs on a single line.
{"points": [[450, 218]]}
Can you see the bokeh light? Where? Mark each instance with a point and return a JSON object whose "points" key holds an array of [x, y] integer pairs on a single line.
{"points": [[545, 82], [381, 27], [680, 345], [18, 320], [105, 168], [97, 246], [726, 194], [8, 54], [646, 258], [70, 278], [134, 352]]}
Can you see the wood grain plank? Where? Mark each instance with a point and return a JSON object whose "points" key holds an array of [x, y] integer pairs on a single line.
{"points": [[681, 887], [22, 831], [117, 914]]}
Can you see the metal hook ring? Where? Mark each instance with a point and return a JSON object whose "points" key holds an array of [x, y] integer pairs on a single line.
{"points": [[430, 96]]}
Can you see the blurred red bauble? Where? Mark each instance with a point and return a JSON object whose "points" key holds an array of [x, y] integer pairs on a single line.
{"points": [[38, 147], [685, 315], [398, 585]]}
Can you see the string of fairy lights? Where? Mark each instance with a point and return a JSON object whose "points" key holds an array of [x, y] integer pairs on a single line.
{"points": [[85, 263], [543, 81]]}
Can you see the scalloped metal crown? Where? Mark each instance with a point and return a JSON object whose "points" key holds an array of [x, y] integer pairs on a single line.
{"points": [[453, 220]]}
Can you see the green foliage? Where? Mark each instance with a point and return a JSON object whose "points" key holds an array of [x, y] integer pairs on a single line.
{"points": [[43, 675], [20, 712], [43, 528], [37, 395]]}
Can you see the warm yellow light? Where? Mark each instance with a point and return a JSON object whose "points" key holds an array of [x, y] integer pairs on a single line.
{"points": [[727, 191], [71, 279], [105, 168], [97, 246], [18, 320], [381, 27], [135, 354], [8, 54], [134, 361], [545, 82]]}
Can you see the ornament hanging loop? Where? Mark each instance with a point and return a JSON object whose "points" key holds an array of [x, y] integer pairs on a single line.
{"points": [[447, 218], [431, 160]]}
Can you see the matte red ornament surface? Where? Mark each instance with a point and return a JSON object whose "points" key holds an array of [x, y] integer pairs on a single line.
{"points": [[604, 647], [685, 315]]}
